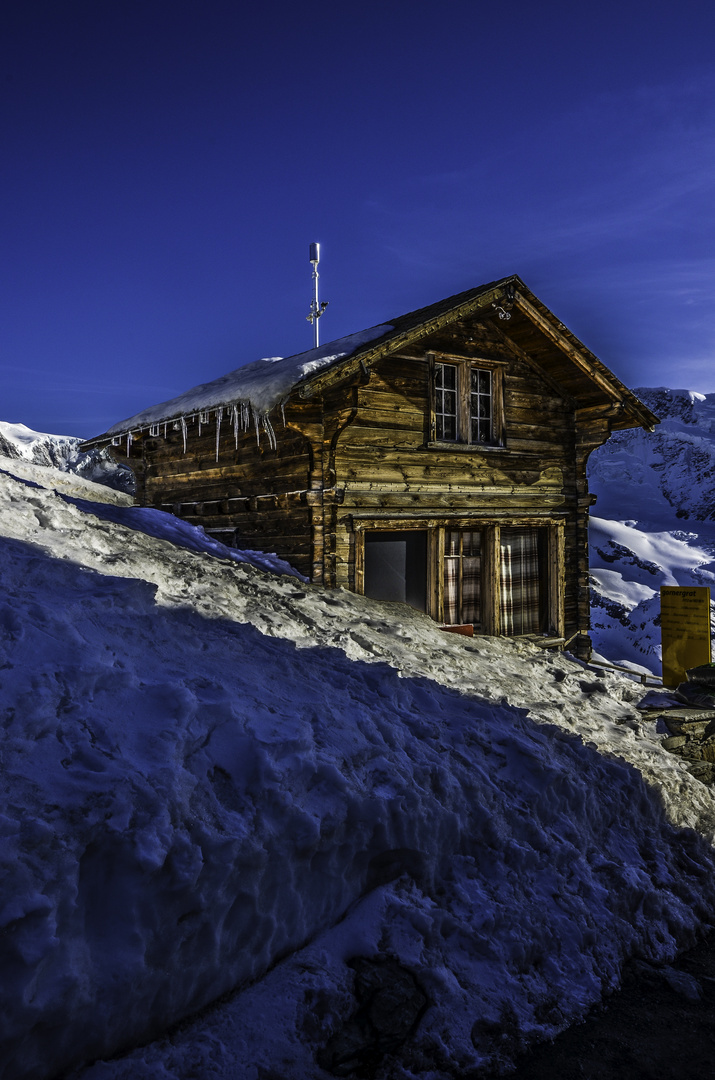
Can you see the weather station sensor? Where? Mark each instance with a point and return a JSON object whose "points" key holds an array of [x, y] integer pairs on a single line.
{"points": [[316, 308]]}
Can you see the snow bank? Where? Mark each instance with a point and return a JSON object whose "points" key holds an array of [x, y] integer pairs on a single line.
{"points": [[217, 778]]}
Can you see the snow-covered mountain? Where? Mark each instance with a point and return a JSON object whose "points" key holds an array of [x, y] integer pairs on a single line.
{"points": [[62, 452], [398, 849], [653, 523]]}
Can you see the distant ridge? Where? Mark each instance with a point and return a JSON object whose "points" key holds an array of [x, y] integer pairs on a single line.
{"points": [[62, 452], [654, 521]]}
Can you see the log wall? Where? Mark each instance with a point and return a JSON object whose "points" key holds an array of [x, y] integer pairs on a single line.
{"points": [[254, 496]]}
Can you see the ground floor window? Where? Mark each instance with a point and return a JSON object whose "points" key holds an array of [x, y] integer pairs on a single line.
{"points": [[517, 585], [501, 579]]}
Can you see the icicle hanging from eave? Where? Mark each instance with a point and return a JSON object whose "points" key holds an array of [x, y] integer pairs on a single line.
{"points": [[268, 428], [219, 415], [241, 415]]}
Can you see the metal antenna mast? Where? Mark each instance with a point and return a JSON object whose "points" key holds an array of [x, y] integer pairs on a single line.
{"points": [[316, 309]]}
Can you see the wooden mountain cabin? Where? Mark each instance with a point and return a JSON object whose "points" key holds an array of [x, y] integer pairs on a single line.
{"points": [[438, 459]]}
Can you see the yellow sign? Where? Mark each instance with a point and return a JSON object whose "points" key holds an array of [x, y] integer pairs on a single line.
{"points": [[684, 630]]}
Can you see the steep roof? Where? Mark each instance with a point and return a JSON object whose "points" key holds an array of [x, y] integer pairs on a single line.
{"points": [[254, 390]]}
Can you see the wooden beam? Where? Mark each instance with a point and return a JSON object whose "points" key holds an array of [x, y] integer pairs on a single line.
{"points": [[561, 341], [535, 366], [557, 577], [491, 613]]}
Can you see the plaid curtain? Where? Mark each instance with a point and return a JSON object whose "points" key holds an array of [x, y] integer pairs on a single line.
{"points": [[471, 577], [519, 582], [451, 590], [462, 577]]}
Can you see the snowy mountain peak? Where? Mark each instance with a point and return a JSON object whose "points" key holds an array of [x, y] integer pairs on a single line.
{"points": [[62, 452], [688, 406], [19, 441], [673, 466]]}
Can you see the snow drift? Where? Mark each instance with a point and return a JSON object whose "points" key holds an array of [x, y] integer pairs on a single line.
{"points": [[215, 777]]}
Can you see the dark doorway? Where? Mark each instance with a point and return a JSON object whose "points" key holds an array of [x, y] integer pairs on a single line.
{"points": [[396, 567]]}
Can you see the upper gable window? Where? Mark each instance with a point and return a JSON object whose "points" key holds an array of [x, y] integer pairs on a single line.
{"points": [[446, 403], [466, 402], [481, 411]]}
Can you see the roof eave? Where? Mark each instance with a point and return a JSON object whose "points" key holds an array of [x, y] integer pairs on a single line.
{"points": [[639, 415]]}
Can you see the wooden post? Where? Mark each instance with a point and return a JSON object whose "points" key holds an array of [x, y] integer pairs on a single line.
{"points": [[492, 580], [557, 578]]}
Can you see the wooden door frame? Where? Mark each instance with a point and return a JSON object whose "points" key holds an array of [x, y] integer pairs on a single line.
{"points": [[491, 529]]}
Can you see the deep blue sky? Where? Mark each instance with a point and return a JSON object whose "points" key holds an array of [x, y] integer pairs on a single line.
{"points": [[165, 166]]}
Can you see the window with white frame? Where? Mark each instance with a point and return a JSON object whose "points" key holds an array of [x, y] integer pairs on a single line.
{"points": [[446, 411], [480, 406], [466, 403]]}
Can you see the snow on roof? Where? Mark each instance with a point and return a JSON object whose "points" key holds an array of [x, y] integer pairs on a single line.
{"points": [[251, 392], [261, 385], [258, 388]]}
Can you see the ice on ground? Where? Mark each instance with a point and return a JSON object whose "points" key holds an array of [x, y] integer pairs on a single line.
{"points": [[216, 779]]}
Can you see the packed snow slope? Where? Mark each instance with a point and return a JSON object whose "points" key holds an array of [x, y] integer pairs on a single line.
{"points": [[217, 778], [653, 523]]}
